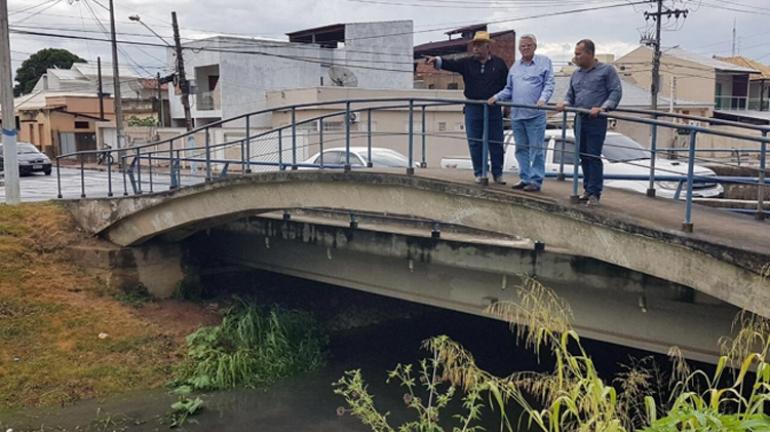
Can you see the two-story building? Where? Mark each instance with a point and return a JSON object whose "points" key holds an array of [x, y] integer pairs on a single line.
{"points": [[231, 75]]}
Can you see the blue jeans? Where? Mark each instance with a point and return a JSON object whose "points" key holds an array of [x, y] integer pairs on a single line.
{"points": [[592, 134], [529, 135], [474, 129]]}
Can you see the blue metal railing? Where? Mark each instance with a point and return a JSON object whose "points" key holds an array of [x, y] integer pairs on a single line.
{"points": [[132, 164]]}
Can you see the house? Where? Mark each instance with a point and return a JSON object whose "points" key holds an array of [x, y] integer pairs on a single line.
{"points": [[61, 113], [690, 76], [231, 75], [457, 45], [759, 83]]}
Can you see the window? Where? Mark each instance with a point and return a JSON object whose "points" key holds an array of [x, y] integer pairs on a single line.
{"points": [[620, 148], [569, 151], [82, 125], [442, 126]]}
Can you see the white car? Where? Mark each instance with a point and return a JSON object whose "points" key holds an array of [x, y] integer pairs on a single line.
{"points": [[621, 156], [381, 157]]}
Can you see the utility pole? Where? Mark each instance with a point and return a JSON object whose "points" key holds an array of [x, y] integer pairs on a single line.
{"points": [[733, 51], [658, 17], [160, 101], [116, 100], [11, 164], [184, 85], [101, 91]]}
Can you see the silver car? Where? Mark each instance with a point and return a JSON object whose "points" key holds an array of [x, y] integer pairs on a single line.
{"points": [[30, 159]]}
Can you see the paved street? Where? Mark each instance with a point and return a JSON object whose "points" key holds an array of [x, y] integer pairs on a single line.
{"points": [[39, 187]]}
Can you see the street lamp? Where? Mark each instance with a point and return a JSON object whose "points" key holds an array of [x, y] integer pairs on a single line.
{"points": [[139, 20]]}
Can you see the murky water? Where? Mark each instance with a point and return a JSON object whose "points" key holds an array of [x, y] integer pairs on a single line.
{"points": [[307, 403]]}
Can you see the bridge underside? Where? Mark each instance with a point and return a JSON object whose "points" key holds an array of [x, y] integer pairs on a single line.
{"points": [[609, 303], [723, 259]]}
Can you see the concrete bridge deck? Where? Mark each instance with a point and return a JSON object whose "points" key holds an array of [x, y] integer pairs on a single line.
{"points": [[726, 257]]}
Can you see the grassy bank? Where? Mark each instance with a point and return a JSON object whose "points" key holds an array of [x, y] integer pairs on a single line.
{"points": [[63, 335]]}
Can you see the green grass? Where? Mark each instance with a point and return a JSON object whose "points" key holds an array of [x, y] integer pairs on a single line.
{"points": [[252, 347]]}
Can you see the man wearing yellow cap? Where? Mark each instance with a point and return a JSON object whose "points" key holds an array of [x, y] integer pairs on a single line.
{"points": [[484, 76]]}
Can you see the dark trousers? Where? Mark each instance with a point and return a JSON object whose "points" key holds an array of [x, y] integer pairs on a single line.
{"points": [[474, 129], [592, 134]]}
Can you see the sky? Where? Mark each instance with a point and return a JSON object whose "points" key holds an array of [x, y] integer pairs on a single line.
{"points": [[615, 25]]}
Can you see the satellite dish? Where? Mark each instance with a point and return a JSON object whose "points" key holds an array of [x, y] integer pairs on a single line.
{"points": [[342, 77]]}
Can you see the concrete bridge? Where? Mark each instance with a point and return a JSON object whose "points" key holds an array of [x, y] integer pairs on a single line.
{"points": [[724, 261]]}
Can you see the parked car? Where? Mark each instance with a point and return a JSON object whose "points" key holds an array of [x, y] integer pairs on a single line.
{"points": [[30, 159], [381, 157], [621, 156]]}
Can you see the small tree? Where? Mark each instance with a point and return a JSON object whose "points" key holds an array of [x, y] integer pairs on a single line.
{"points": [[36, 65]]}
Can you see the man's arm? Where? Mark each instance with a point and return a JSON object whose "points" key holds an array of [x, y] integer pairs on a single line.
{"points": [[506, 93], [550, 83], [615, 88]]}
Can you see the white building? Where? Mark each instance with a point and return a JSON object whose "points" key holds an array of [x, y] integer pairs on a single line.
{"points": [[231, 75]]}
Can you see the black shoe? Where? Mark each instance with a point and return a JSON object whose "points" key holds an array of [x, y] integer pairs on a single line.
{"points": [[593, 201], [498, 180], [584, 198], [519, 185], [531, 188]]}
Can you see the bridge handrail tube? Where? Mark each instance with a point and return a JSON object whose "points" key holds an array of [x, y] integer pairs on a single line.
{"points": [[563, 141], [82, 180], [248, 142], [485, 144], [280, 149], [761, 187], [138, 161], [714, 121], [321, 141], [207, 139], [410, 165], [149, 170], [125, 168], [688, 226], [576, 157], [179, 168], [448, 101], [58, 178], [654, 154], [109, 174], [423, 163], [293, 138], [369, 162], [347, 136], [243, 156], [171, 164]]}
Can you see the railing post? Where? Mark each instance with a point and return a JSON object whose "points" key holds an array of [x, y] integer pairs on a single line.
{"points": [[280, 149], [410, 167], [563, 140], [347, 136], [485, 146], [178, 168], [575, 198], [124, 164], [424, 163], [369, 163], [243, 156], [172, 179], [58, 176], [248, 144], [108, 157], [687, 225], [761, 183], [208, 155], [293, 138], [138, 159], [653, 155], [82, 179], [149, 169], [321, 141]]}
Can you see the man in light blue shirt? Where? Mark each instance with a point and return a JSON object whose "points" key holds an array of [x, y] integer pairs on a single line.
{"points": [[530, 82]]}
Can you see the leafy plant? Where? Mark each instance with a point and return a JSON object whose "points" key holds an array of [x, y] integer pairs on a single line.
{"points": [[252, 347], [573, 397], [185, 407]]}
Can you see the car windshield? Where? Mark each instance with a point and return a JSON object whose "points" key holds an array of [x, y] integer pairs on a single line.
{"points": [[22, 148], [385, 158], [620, 148]]}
